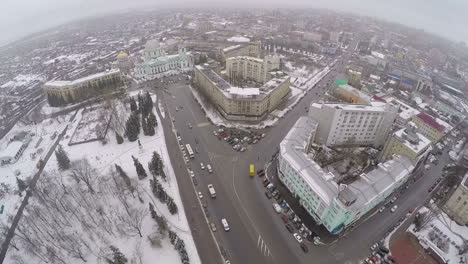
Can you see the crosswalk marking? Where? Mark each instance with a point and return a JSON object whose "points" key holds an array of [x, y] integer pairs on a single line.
{"points": [[203, 124], [263, 247]]}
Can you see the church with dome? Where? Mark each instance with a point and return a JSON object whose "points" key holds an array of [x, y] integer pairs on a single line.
{"points": [[155, 60]]}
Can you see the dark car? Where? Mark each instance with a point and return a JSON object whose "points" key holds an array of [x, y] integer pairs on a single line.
{"points": [[304, 248], [284, 218], [195, 182], [206, 212], [289, 228], [265, 183], [268, 195], [260, 171]]}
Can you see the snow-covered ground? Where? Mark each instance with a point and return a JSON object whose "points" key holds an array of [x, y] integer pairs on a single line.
{"points": [[102, 158], [22, 79], [443, 236], [238, 39], [77, 58], [297, 93]]}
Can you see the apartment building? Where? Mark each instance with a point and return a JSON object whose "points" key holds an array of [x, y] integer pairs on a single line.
{"points": [[353, 124], [250, 68], [407, 142], [457, 205], [335, 206], [429, 127]]}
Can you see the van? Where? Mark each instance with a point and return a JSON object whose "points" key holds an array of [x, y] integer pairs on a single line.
{"points": [[225, 224]]}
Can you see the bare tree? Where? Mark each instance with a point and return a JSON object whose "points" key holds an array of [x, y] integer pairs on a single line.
{"points": [[82, 171], [132, 220]]}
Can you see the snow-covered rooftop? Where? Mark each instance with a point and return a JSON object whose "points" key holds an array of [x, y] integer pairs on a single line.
{"points": [[418, 146], [11, 150], [238, 39], [227, 49], [80, 80], [244, 91]]}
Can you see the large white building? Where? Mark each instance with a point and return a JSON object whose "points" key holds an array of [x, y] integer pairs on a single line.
{"points": [[353, 124], [155, 60], [335, 206], [14, 148], [237, 103], [250, 68]]}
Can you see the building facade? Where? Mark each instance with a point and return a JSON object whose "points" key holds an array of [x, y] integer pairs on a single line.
{"points": [[251, 49], [250, 68], [335, 206], [457, 205], [236, 103], [429, 127], [406, 142], [124, 63], [155, 60], [64, 92], [350, 125]]}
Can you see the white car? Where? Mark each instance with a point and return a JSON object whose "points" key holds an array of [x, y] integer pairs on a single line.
{"points": [[374, 247], [394, 208], [202, 166], [179, 138], [382, 209], [191, 174], [298, 238], [277, 208], [210, 170], [225, 224], [200, 195]]}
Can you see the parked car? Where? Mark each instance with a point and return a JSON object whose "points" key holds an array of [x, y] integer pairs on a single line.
{"points": [[202, 166], [394, 208], [382, 209], [225, 224], [277, 208], [298, 238], [290, 228], [260, 171], [284, 218], [200, 195], [206, 212], [268, 195]]}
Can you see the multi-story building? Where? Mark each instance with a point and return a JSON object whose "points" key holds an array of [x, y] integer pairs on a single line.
{"points": [[124, 63], [406, 142], [251, 49], [155, 60], [353, 124], [429, 127], [63, 92], [457, 205], [250, 68], [354, 78], [335, 206], [237, 103]]}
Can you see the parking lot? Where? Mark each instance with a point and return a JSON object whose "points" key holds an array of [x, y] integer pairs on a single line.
{"points": [[237, 138]]}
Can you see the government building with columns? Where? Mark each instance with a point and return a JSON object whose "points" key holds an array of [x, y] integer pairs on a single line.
{"points": [[155, 60]]}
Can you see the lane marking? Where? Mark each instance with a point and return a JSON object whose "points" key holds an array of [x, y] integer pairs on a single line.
{"points": [[203, 124]]}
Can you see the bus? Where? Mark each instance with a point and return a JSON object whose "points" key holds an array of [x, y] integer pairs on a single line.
{"points": [[252, 170], [189, 151]]}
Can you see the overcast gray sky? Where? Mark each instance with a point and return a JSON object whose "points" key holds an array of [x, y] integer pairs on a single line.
{"points": [[443, 17]]}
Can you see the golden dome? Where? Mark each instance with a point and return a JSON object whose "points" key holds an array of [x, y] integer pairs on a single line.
{"points": [[122, 54]]}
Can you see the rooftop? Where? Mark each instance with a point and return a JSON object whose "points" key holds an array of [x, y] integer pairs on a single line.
{"points": [[241, 92], [429, 120], [413, 140], [58, 83], [11, 150], [374, 106]]}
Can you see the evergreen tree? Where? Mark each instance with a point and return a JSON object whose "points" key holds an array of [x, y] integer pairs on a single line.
{"points": [[171, 205], [150, 130], [160, 220], [139, 169], [21, 185], [125, 177], [132, 127], [133, 105], [156, 165], [118, 138], [141, 105], [62, 158], [152, 121], [117, 256], [158, 190], [172, 237], [144, 126], [148, 104]]}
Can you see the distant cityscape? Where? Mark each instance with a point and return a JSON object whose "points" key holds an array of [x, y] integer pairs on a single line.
{"points": [[234, 136]]}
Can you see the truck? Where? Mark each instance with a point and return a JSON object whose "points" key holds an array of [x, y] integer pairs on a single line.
{"points": [[211, 190]]}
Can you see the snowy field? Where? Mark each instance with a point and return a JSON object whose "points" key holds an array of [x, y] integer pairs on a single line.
{"points": [[42, 137], [442, 235], [106, 214], [92, 125], [22, 80]]}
